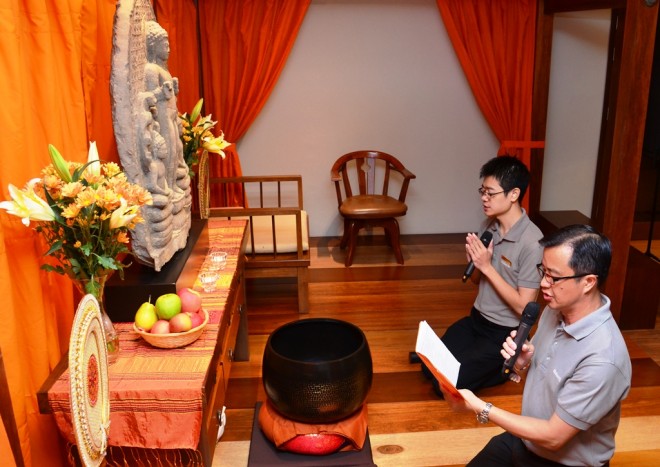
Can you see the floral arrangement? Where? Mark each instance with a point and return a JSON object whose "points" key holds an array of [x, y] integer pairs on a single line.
{"points": [[84, 212], [198, 137]]}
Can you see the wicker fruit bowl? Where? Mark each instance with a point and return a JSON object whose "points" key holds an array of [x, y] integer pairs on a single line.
{"points": [[174, 340]]}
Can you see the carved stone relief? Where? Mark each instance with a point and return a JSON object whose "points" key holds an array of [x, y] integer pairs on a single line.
{"points": [[147, 131]]}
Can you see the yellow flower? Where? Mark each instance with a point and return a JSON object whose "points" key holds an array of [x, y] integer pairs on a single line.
{"points": [[198, 137], [70, 190], [87, 197], [27, 204], [111, 169], [215, 145], [71, 211], [122, 237]]}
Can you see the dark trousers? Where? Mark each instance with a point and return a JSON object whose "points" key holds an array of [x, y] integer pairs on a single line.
{"points": [[476, 344], [506, 450]]}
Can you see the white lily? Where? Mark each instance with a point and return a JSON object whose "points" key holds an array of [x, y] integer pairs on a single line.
{"points": [[93, 169], [216, 145], [27, 205], [123, 215]]}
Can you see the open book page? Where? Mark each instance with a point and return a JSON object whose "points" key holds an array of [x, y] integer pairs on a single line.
{"points": [[437, 357]]}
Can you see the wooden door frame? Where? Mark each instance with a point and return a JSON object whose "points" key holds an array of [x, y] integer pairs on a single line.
{"points": [[632, 36]]}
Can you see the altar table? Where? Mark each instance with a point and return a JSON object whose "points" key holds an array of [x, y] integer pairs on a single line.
{"points": [[170, 399]]}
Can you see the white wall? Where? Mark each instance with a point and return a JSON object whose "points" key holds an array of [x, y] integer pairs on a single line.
{"points": [[577, 86], [377, 74]]}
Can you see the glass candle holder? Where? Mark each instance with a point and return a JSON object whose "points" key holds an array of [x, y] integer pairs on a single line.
{"points": [[209, 279], [217, 259]]}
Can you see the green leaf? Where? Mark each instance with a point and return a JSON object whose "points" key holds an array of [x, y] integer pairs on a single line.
{"points": [[107, 263], [54, 247]]}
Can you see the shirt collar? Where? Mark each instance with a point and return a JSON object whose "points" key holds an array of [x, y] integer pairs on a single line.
{"points": [[515, 233], [585, 326]]}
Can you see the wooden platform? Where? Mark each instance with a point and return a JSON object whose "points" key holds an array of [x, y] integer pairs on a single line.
{"points": [[408, 424]]}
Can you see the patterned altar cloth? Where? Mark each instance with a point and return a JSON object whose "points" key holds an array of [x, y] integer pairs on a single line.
{"points": [[156, 394]]}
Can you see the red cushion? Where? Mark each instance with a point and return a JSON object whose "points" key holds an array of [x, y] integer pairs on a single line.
{"points": [[314, 444]]}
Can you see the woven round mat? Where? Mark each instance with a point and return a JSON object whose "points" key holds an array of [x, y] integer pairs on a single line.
{"points": [[88, 367]]}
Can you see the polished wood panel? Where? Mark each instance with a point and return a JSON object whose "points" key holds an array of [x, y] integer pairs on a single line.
{"points": [[408, 424]]}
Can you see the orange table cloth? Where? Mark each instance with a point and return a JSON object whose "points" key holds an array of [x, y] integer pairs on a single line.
{"points": [[156, 394]]}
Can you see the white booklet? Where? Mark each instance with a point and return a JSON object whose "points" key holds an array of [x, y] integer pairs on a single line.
{"points": [[437, 357]]}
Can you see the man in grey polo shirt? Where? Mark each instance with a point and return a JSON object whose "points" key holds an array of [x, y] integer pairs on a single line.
{"points": [[578, 364], [505, 270]]}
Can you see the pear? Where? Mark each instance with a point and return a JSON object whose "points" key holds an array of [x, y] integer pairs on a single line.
{"points": [[146, 316]]}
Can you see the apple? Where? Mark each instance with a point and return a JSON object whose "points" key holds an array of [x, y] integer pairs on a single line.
{"points": [[180, 323], [146, 316], [168, 305], [162, 326], [191, 300], [196, 318]]}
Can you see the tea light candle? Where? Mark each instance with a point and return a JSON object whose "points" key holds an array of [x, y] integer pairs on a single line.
{"points": [[218, 259], [208, 280]]}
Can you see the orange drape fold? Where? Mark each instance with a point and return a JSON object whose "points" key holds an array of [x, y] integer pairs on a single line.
{"points": [[44, 101], [55, 60], [494, 42], [244, 48]]}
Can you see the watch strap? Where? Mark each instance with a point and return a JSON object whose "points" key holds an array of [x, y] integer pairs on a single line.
{"points": [[482, 416]]}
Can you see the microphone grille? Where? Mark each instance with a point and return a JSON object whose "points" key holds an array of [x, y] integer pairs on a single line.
{"points": [[531, 313]]}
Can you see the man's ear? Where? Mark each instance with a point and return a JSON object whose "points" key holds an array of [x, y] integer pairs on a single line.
{"points": [[590, 281], [515, 194]]}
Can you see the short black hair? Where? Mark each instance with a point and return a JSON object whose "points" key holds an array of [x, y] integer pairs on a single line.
{"points": [[510, 173], [592, 251]]}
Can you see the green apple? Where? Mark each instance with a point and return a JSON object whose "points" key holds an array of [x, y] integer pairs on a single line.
{"points": [[146, 316], [168, 305]]}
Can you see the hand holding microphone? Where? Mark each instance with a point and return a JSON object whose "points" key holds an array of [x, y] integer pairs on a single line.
{"points": [[529, 316], [485, 238]]}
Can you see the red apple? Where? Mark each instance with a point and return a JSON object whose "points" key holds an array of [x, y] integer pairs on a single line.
{"points": [[191, 300], [180, 323], [197, 318], [161, 326]]}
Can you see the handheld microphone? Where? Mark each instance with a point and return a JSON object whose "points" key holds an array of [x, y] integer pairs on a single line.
{"points": [[485, 238], [529, 316]]}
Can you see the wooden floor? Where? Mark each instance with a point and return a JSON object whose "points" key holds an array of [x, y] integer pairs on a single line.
{"points": [[408, 425]]}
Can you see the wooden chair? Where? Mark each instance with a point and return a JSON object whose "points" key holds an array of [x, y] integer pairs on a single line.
{"points": [[278, 230], [367, 205]]}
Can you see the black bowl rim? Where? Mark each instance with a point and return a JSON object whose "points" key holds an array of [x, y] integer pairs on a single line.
{"points": [[319, 320]]}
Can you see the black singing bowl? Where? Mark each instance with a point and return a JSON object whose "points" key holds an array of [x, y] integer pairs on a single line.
{"points": [[317, 370]]}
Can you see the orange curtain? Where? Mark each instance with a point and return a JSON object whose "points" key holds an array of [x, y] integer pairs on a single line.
{"points": [[494, 42], [245, 44], [46, 47], [179, 19]]}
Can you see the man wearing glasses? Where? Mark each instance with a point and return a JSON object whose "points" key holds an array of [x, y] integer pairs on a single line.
{"points": [[577, 364], [505, 271]]}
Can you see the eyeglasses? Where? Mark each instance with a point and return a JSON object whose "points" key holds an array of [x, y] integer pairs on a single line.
{"points": [[489, 194], [552, 280]]}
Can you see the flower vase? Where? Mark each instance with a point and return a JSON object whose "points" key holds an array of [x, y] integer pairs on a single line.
{"points": [[203, 190], [96, 287]]}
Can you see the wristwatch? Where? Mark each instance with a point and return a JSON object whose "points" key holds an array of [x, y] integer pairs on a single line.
{"points": [[482, 416]]}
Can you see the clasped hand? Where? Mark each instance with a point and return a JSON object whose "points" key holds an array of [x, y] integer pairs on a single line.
{"points": [[477, 252]]}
